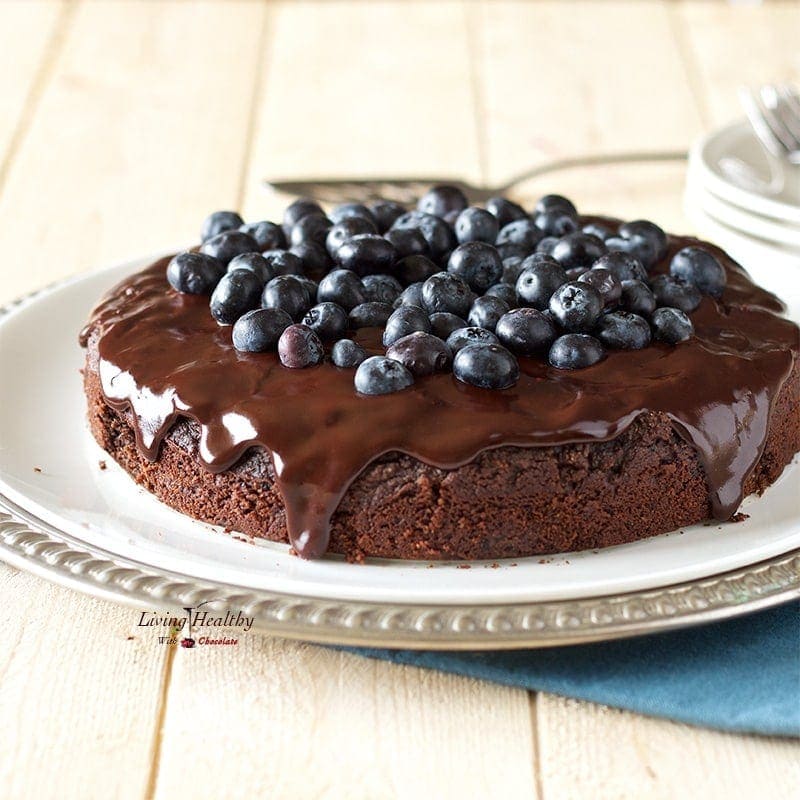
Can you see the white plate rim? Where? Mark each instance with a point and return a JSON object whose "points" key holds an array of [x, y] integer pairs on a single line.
{"points": [[750, 201], [766, 229]]}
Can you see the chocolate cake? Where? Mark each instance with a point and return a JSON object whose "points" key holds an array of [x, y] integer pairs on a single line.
{"points": [[448, 382]]}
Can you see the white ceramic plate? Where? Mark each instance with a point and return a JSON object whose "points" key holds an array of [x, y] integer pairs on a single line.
{"points": [[738, 141], [42, 427], [767, 229], [773, 265]]}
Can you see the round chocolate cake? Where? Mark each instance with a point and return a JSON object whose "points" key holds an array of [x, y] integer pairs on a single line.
{"points": [[447, 382]]}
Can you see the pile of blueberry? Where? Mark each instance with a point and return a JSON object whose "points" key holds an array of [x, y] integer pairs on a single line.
{"points": [[452, 286]]}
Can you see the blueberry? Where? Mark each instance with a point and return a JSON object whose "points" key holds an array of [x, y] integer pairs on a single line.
{"points": [[228, 245], [616, 244], [267, 235], [443, 324], [486, 311], [343, 287], [352, 211], [551, 202], [509, 250], [438, 234], [700, 268], [522, 233], [405, 320], [676, 293], [380, 375], [606, 283], [219, 222], [598, 229], [547, 245], [300, 347], [446, 292], [442, 199], [408, 242], [506, 292], [623, 330], [258, 330], [578, 249], [576, 306], [637, 298], [311, 288], [236, 293], [256, 263], [282, 262], [556, 222], [415, 268], [488, 366], [573, 273], [637, 246], [366, 253], [311, 228], [575, 351], [346, 353], [462, 337], [421, 353], [647, 240], [346, 229], [505, 210], [381, 288], [478, 264], [194, 273], [297, 210], [476, 225], [371, 314], [526, 331], [538, 280], [328, 320], [287, 293], [410, 296], [314, 258], [671, 325], [512, 268], [625, 266], [385, 212]]}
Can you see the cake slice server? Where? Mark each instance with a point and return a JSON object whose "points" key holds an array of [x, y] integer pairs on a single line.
{"points": [[407, 190]]}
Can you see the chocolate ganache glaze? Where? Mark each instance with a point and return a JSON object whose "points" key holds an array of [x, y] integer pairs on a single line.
{"points": [[163, 356]]}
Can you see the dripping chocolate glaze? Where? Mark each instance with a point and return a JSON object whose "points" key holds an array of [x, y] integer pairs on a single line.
{"points": [[163, 355]]}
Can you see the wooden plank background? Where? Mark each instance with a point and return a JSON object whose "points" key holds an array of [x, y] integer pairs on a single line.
{"points": [[121, 125]]}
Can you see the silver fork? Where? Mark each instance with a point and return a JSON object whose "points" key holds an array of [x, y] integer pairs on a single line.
{"points": [[774, 114]]}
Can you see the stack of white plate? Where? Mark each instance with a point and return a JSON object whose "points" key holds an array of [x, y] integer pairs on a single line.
{"points": [[759, 228]]}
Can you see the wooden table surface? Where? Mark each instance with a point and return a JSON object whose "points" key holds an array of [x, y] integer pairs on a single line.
{"points": [[121, 125]]}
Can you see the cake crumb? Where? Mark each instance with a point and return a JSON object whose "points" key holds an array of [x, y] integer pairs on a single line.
{"points": [[37, 470], [464, 566], [131, 638], [102, 464], [494, 565]]}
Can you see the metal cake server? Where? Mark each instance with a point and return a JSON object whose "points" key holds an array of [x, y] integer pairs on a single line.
{"points": [[406, 190]]}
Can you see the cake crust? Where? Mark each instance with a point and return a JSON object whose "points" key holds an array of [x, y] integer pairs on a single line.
{"points": [[510, 502]]}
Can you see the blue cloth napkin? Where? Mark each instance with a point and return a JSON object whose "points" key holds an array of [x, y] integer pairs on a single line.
{"points": [[739, 675]]}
